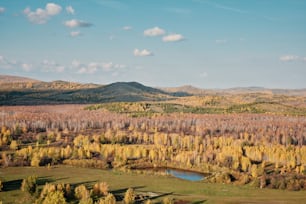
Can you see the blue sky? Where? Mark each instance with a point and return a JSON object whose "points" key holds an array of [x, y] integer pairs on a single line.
{"points": [[164, 43]]}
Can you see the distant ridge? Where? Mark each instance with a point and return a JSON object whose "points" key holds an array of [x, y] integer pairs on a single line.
{"points": [[15, 79], [16, 90], [186, 89], [57, 93]]}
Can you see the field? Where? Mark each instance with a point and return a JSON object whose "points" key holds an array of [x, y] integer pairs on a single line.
{"points": [[251, 145], [195, 192]]}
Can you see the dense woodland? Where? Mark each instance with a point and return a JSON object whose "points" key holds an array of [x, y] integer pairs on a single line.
{"points": [[264, 150]]}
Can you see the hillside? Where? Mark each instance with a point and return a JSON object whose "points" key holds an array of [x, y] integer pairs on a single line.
{"points": [[5, 79], [60, 92], [191, 90]]}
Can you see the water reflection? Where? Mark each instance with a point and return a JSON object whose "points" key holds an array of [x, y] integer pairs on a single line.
{"points": [[186, 175]]}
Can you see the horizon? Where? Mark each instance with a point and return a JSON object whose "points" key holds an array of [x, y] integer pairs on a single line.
{"points": [[157, 86], [201, 43]]}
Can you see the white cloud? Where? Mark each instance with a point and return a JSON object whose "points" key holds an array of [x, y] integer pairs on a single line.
{"points": [[53, 9], [173, 38], [60, 69], [156, 31], [75, 63], [85, 70], [51, 66], [107, 66], [287, 58], [126, 28], [110, 66], [75, 33], [76, 23], [69, 10], [41, 16], [220, 41], [26, 67], [94, 67], [142, 53], [8, 63], [2, 9]]}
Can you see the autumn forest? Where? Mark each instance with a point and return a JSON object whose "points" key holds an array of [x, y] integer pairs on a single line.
{"points": [[231, 139]]}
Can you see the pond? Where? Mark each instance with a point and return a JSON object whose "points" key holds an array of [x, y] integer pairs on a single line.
{"points": [[178, 173], [186, 175]]}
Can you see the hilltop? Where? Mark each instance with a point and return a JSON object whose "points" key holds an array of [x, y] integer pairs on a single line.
{"points": [[6, 79], [25, 91], [18, 91]]}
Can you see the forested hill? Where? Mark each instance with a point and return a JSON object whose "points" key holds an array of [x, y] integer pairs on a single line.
{"points": [[25, 91], [32, 92]]}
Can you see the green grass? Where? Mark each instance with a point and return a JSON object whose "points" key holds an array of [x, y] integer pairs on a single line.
{"points": [[200, 192]]}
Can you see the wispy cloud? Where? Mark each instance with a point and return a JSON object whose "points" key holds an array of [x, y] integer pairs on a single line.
{"points": [[2, 9], [69, 10], [152, 32], [236, 10], [7, 63], [26, 67], [142, 53], [127, 28], [41, 16], [112, 4], [289, 58], [51, 66], [173, 38], [93, 67], [76, 23], [178, 10], [75, 33]]}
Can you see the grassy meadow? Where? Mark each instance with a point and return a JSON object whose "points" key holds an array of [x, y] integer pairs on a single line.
{"points": [[180, 190]]}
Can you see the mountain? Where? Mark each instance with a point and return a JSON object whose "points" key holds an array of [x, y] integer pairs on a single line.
{"points": [[185, 90], [15, 79], [24, 91], [115, 92], [191, 90]]}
